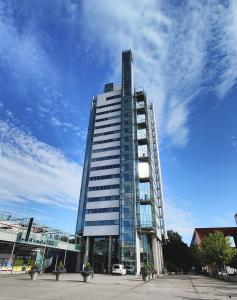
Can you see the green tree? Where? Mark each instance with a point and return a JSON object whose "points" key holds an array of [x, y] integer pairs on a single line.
{"points": [[217, 250], [197, 257], [233, 261], [177, 254]]}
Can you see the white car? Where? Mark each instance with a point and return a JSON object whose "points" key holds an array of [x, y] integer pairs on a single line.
{"points": [[119, 269]]}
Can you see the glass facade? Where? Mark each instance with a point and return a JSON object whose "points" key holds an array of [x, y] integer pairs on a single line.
{"points": [[146, 216], [145, 191], [99, 253], [127, 228], [121, 206]]}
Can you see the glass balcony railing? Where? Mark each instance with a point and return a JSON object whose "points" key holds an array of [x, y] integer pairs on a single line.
{"points": [[141, 134], [142, 151], [140, 105], [141, 119], [145, 197]]}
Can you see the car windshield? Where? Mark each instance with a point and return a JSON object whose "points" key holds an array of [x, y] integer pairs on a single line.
{"points": [[115, 266]]}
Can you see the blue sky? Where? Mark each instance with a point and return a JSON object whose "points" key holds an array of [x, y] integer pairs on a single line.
{"points": [[55, 55]]}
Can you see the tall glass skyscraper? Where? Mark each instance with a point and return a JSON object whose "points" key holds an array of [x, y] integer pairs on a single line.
{"points": [[120, 215]]}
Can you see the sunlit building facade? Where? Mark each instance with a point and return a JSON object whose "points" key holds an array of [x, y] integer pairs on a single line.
{"points": [[121, 215]]}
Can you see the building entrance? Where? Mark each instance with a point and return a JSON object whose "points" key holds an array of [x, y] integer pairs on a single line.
{"points": [[100, 254], [103, 253]]}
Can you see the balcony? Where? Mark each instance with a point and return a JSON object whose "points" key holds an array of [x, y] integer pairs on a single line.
{"points": [[140, 107], [141, 121], [142, 136], [143, 153]]}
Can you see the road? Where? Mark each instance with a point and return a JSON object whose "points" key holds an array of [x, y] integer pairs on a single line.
{"points": [[115, 287]]}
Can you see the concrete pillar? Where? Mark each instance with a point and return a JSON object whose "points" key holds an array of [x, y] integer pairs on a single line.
{"points": [[78, 262], [161, 263], [110, 254], [86, 255], [155, 252], [162, 257], [138, 259]]}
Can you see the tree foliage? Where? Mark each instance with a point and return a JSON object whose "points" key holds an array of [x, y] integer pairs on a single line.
{"points": [[197, 257], [177, 254], [233, 261], [216, 249]]}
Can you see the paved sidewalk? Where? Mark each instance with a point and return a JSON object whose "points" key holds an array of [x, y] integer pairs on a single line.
{"points": [[115, 287]]}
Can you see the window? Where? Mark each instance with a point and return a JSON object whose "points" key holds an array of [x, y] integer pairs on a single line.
{"points": [[143, 169], [105, 158], [108, 105], [113, 97], [109, 125], [141, 134], [105, 198], [106, 149], [145, 215], [126, 167], [106, 141], [127, 177], [106, 133], [140, 104], [108, 111], [144, 191], [105, 167], [104, 187], [142, 151], [141, 119], [102, 210], [104, 222], [108, 118], [104, 177]]}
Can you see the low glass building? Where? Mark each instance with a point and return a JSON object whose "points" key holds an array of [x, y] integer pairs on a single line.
{"points": [[120, 214]]}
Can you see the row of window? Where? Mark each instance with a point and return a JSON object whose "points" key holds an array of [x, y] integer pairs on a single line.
{"points": [[113, 97], [104, 222], [105, 177], [104, 187], [108, 118], [109, 125], [108, 105], [106, 133], [108, 111], [105, 158], [106, 149], [106, 141], [105, 198], [105, 167], [102, 210]]}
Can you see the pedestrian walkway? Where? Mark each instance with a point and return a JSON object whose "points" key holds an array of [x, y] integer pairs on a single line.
{"points": [[115, 287]]}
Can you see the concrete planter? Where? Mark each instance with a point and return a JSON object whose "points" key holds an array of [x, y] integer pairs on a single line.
{"points": [[59, 276], [86, 278], [146, 277], [87, 275], [34, 275]]}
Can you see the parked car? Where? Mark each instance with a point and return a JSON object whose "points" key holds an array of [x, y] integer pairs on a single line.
{"points": [[119, 269], [130, 269]]}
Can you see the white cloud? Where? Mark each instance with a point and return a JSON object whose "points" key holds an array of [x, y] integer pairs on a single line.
{"points": [[26, 57], [54, 121], [178, 51], [33, 171], [233, 141], [180, 220]]}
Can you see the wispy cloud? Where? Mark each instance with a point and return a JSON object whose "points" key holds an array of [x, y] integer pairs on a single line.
{"points": [[233, 141], [30, 60], [179, 49], [32, 171], [180, 219]]}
